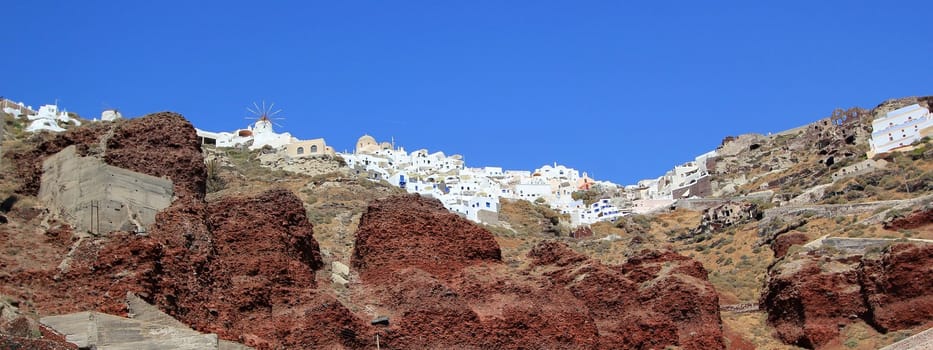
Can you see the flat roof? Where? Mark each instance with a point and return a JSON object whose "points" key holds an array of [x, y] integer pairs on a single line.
{"points": [[902, 110]]}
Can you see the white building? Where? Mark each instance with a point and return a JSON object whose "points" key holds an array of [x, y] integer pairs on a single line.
{"points": [[257, 135], [685, 180], [900, 128], [49, 118], [110, 115], [475, 192]]}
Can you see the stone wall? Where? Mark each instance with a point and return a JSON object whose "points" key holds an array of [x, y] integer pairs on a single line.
{"points": [[701, 188], [99, 198], [859, 245], [860, 168]]}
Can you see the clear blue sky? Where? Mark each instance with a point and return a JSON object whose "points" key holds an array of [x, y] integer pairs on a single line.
{"points": [[621, 90]]}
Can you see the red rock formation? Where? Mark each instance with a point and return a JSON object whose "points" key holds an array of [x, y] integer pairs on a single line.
{"points": [[28, 163], [915, 219], [783, 242], [12, 342], [441, 279], [899, 286], [410, 231], [564, 300], [655, 299], [162, 144], [809, 296], [582, 232], [244, 268], [241, 267]]}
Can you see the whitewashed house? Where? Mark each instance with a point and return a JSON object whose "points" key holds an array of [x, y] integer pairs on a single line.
{"points": [[49, 118], [110, 115], [257, 135], [900, 128]]}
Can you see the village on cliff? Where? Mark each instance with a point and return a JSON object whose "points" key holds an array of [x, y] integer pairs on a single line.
{"points": [[475, 192]]}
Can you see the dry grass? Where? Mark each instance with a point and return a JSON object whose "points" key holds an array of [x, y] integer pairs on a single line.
{"points": [[753, 328]]}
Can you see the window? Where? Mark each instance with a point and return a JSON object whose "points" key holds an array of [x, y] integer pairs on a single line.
{"points": [[301, 150], [313, 148]]}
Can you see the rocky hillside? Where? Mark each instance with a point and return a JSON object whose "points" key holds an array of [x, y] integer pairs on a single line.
{"points": [[246, 265], [428, 269], [272, 253]]}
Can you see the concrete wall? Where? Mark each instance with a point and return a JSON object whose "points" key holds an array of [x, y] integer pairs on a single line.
{"points": [[126, 200]]}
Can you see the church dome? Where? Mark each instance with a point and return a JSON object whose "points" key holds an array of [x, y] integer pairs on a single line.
{"points": [[366, 144]]}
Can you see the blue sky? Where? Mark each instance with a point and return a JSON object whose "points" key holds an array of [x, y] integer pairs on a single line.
{"points": [[619, 89]]}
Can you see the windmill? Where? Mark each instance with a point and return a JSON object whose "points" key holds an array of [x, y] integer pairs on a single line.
{"points": [[264, 116]]}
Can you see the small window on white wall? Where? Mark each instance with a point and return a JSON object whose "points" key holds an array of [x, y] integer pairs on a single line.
{"points": [[301, 150]]}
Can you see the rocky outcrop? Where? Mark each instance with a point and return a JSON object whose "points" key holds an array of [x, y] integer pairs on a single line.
{"points": [[18, 331], [917, 218], [898, 286], [810, 295], [782, 243], [656, 299], [440, 280], [241, 267], [28, 163], [412, 231], [162, 144], [562, 300]]}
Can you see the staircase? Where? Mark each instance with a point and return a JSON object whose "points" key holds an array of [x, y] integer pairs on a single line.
{"points": [[147, 328]]}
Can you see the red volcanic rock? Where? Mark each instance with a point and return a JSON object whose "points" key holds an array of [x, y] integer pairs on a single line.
{"points": [[809, 296], [413, 231], [442, 282], [256, 284], [28, 163], [783, 242], [161, 144], [899, 286], [582, 232], [484, 307], [656, 299], [239, 267], [917, 218], [554, 253], [265, 254], [11, 342], [455, 292]]}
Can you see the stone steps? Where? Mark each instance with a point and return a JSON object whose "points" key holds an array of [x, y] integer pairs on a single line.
{"points": [[148, 328]]}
